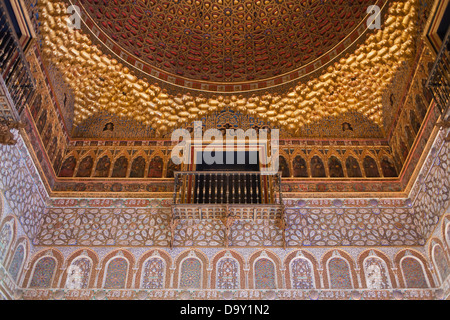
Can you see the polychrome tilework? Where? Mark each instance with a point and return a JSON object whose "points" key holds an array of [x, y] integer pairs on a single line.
{"points": [[191, 274], [43, 273], [413, 273], [17, 262], [264, 274], [339, 272], [228, 274], [116, 274], [153, 274]]}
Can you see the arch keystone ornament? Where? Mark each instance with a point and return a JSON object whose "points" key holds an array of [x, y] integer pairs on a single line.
{"points": [[408, 253], [156, 254], [372, 254], [119, 254]]}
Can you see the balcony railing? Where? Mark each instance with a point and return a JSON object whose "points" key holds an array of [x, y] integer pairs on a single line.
{"points": [[226, 187], [439, 79], [14, 69], [227, 196]]}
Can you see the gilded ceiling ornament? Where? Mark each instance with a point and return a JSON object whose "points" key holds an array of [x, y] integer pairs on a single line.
{"points": [[372, 253], [336, 254], [119, 253], [156, 254], [355, 83], [225, 42], [192, 253]]}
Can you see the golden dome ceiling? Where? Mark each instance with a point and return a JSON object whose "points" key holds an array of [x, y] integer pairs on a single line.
{"points": [[354, 83], [227, 40]]}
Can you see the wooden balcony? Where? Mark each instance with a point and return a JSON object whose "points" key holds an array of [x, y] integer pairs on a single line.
{"points": [[227, 196]]}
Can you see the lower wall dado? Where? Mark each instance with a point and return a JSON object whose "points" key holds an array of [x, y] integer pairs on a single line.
{"points": [[240, 294], [241, 273]]}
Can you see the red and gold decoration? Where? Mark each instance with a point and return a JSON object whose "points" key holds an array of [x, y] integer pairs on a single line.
{"points": [[354, 83]]}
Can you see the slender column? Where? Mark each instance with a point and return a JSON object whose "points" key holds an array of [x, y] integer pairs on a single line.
{"points": [[283, 277], [21, 279], [172, 272], [394, 270], [246, 271], [98, 269], [209, 270], [358, 276], [133, 282], [63, 268], [321, 277], [434, 275]]}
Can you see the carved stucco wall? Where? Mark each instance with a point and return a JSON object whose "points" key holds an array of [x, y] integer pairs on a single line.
{"points": [[310, 222], [318, 227], [22, 205]]}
